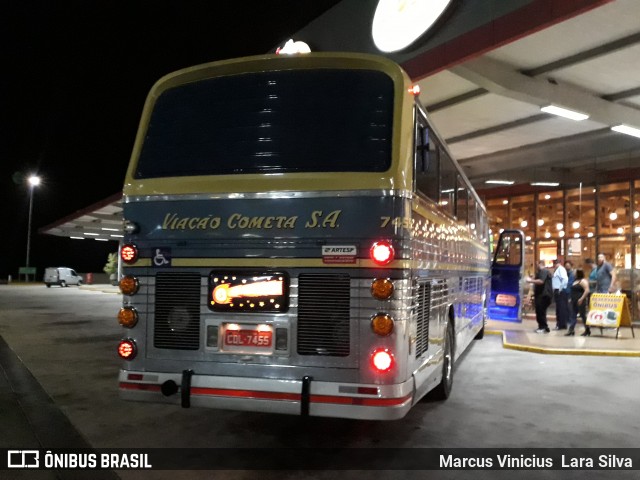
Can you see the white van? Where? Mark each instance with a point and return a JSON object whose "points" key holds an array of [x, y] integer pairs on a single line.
{"points": [[62, 276]]}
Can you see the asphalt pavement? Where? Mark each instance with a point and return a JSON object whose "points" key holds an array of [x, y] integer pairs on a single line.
{"points": [[58, 388]]}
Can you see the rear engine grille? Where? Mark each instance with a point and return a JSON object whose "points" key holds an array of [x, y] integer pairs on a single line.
{"points": [[323, 315], [177, 318], [423, 311]]}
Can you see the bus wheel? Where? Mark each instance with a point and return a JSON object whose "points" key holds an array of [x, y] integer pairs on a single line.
{"points": [[480, 334], [443, 390]]}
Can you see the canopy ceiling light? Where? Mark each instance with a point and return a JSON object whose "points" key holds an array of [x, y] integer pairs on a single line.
{"points": [[564, 112], [544, 184], [500, 182], [634, 132]]}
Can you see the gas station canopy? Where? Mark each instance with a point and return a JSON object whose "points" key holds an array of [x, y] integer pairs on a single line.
{"points": [[101, 221]]}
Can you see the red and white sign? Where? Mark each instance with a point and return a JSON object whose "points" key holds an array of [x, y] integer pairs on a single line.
{"points": [[339, 254]]}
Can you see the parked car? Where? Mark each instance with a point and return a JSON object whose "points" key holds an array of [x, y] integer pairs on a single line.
{"points": [[62, 276]]}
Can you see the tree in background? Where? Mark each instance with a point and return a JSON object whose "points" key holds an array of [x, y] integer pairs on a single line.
{"points": [[111, 267]]}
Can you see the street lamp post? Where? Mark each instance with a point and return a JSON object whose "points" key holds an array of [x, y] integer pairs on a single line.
{"points": [[33, 182]]}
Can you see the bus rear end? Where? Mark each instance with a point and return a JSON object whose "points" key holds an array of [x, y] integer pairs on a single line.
{"points": [[267, 261]]}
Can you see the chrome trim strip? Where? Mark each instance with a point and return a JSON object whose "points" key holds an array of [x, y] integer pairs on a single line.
{"points": [[268, 195]]}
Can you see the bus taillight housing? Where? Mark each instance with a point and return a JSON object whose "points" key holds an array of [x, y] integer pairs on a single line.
{"points": [[127, 349], [129, 253], [129, 285], [128, 317], [382, 252], [382, 360]]}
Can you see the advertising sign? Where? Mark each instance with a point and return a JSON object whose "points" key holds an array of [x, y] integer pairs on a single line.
{"points": [[608, 310]]}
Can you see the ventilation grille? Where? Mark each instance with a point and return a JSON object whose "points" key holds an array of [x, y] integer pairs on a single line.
{"points": [[423, 314], [177, 317], [323, 315]]}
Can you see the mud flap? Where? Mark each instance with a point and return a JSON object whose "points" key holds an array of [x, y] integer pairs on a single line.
{"points": [[305, 397], [185, 388]]}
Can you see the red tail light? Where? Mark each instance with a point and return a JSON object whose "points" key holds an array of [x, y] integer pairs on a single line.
{"points": [[127, 349], [382, 360], [129, 253], [382, 252]]}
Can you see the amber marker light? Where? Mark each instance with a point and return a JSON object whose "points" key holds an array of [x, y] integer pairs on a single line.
{"points": [[382, 288], [127, 349], [128, 317], [129, 285], [382, 324]]}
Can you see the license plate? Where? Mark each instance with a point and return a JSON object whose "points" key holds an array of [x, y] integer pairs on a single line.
{"points": [[248, 338]]}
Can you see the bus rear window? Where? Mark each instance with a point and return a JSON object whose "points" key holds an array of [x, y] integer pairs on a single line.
{"points": [[325, 120]]}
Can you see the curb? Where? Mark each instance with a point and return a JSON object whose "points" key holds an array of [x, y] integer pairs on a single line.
{"points": [[560, 351]]}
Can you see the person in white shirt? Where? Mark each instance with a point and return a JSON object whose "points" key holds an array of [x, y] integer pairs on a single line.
{"points": [[559, 283]]}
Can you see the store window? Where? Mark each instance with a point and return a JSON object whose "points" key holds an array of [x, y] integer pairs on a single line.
{"points": [[635, 282], [614, 209], [498, 212], [522, 215], [581, 225], [548, 251], [550, 222], [577, 224], [635, 263], [615, 229]]}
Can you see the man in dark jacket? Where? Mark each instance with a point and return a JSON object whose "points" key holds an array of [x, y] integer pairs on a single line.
{"points": [[542, 294]]}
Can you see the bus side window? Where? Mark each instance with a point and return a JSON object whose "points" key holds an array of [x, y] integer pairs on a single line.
{"points": [[473, 216], [483, 232], [426, 162], [462, 202], [447, 183]]}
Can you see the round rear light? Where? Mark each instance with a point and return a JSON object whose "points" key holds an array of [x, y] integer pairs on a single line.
{"points": [[382, 324], [128, 317], [382, 360], [382, 288], [129, 285], [382, 252], [127, 349], [129, 253]]}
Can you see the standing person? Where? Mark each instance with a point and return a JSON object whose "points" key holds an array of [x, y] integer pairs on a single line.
{"points": [[592, 274], [605, 276], [571, 276], [579, 293], [559, 282], [542, 294]]}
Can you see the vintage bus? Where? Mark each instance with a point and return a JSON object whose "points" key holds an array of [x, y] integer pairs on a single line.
{"points": [[299, 240]]}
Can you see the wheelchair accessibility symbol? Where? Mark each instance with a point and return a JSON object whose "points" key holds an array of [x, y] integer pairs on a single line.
{"points": [[162, 257]]}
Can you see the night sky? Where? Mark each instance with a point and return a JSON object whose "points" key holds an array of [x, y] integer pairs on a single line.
{"points": [[76, 75]]}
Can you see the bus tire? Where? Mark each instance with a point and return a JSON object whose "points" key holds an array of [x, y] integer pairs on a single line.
{"points": [[480, 334], [443, 390]]}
